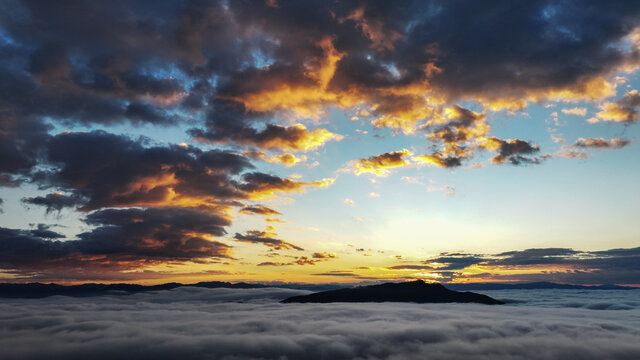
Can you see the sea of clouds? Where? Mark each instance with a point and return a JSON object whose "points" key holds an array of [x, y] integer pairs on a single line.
{"points": [[200, 323]]}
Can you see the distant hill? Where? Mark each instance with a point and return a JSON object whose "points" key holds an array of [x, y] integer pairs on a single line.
{"points": [[533, 286], [39, 290], [413, 291]]}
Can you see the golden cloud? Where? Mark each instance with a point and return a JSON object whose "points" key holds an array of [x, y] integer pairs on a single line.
{"points": [[380, 164]]}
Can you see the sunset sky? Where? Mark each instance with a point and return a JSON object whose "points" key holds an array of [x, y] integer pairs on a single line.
{"points": [[319, 141]]}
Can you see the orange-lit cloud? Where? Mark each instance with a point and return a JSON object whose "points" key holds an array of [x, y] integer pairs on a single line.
{"points": [[380, 38], [624, 110], [286, 138], [259, 210], [306, 97], [380, 164], [260, 186], [580, 111], [437, 160], [287, 159]]}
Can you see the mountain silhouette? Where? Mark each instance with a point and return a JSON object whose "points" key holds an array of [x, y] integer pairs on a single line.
{"points": [[39, 290], [534, 286], [413, 291]]}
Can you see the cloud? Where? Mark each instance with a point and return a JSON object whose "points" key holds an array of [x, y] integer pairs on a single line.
{"points": [[577, 150], [380, 164], [579, 111], [572, 152], [301, 260], [55, 201], [563, 265], [349, 202], [291, 138], [411, 267], [204, 323], [600, 143], [515, 151], [456, 130], [244, 74], [21, 141], [266, 238], [323, 255], [286, 159], [448, 190], [438, 160], [122, 239], [623, 110], [260, 185], [259, 210], [126, 173]]}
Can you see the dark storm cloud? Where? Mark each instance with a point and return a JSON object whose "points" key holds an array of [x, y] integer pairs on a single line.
{"points": [[122, 239], [112, 170], [25, 248], [508, 49], [21, 143], [24, 96], [42, 231], [113, 62], [54, 201], [169, 233]]}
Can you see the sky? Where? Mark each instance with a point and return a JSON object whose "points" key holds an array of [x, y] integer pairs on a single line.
{"points": [[319, 141]]}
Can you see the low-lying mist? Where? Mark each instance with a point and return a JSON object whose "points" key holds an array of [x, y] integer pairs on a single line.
{"points": [[199, 323]]}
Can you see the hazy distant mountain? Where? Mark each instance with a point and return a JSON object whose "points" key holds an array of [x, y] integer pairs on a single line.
{"points": [[39, 290], [414, 291], [533, 286]]}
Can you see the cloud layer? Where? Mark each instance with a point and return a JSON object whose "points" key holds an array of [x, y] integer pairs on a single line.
{"points": [[562, 265], [212, 323]]}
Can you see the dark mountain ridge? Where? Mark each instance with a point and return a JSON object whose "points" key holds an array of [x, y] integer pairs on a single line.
{"points": [[40, 290], [413, 291], [534, 286]]}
